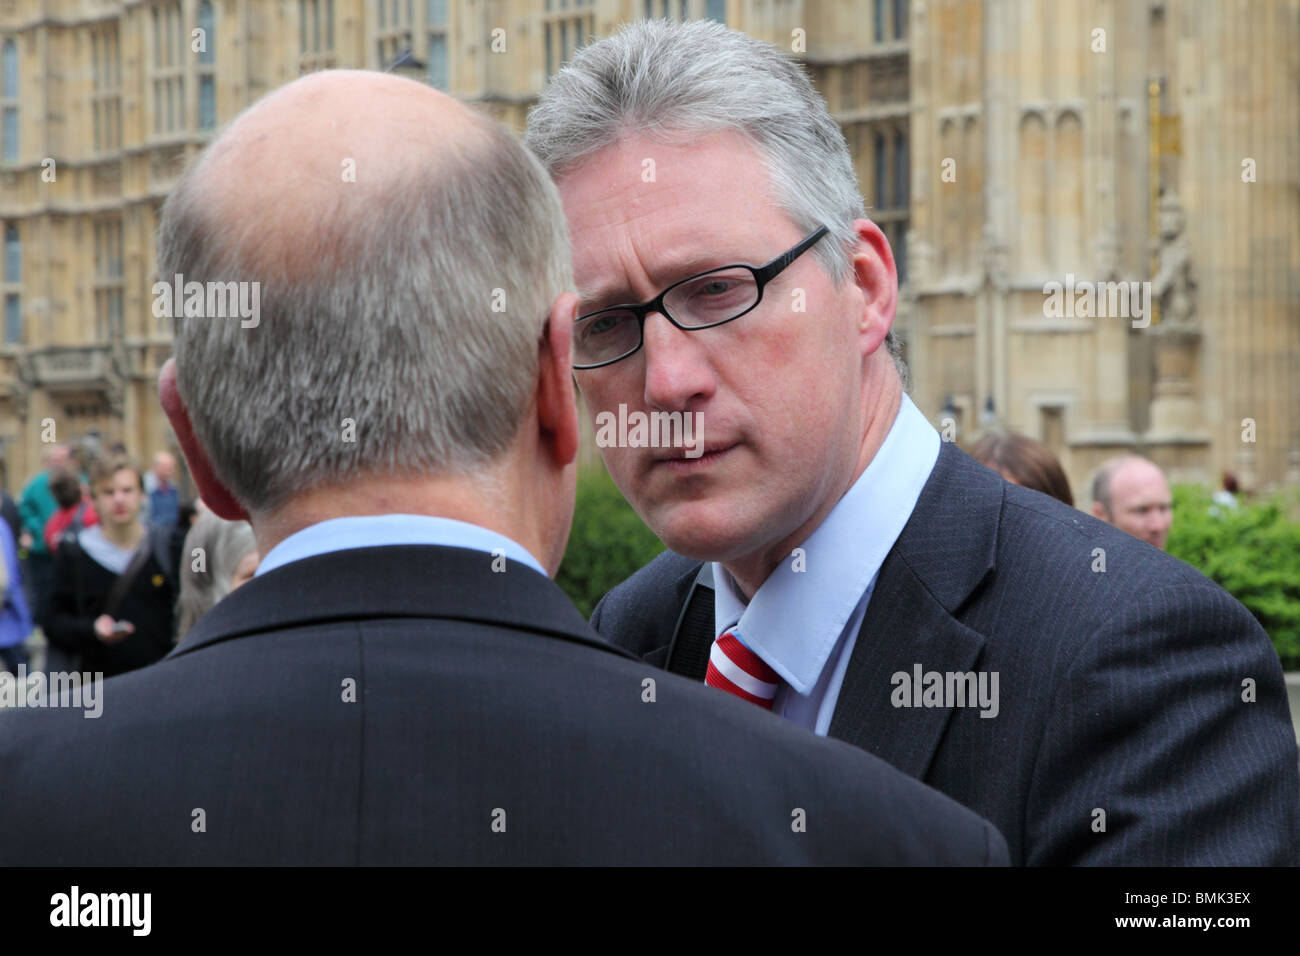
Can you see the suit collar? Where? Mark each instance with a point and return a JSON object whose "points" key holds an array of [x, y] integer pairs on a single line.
{"points": [[399, 581]]}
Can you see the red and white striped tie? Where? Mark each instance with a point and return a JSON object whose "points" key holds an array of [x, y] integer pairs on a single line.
{"points": [[733, 667]]}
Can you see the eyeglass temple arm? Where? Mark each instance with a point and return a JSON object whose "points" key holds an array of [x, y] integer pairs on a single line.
{"points": [[780, 262]]}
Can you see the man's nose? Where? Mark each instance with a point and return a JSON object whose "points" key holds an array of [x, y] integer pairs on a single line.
{"points": [[677, 368]]}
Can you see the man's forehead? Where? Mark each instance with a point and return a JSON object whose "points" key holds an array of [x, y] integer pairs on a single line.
{"points": [[1141, 482], [668, 214]]}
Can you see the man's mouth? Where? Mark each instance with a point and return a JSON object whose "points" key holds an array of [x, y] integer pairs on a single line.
{"points": [[690, 458]]}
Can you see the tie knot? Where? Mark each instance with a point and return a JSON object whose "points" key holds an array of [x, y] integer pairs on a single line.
{"points": [[733, 667]]}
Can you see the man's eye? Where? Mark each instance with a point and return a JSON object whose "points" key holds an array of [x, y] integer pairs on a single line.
{"points": [[603, 323]]}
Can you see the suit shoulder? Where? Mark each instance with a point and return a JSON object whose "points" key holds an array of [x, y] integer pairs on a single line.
{"points": [[1035, 527], [653, 592]]}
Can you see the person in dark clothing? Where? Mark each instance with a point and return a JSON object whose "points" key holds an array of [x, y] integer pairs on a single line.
{"points": [[113, 587], [76, 510]]}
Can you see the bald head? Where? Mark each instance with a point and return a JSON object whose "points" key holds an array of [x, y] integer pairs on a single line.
{"points": [[295, 171], [1131, 493], [403, 252]]}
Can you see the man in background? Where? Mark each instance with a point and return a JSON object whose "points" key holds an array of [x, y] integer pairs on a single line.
{"points": [[164, 500], [1131, 493]]}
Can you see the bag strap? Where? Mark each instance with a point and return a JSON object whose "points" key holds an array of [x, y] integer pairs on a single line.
{"points": [[160, 539], [124, 580], [79, 516], [70, 542]]}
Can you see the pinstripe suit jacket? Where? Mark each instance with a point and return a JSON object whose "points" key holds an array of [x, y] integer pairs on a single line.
{"points": [[1123, 735]]}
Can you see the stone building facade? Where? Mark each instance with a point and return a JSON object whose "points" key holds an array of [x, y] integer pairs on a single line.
{"points": [[1120, 163]]}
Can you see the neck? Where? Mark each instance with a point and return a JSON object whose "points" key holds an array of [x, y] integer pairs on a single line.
{"points": [[123, 535], [882, 397], [486, 500]]}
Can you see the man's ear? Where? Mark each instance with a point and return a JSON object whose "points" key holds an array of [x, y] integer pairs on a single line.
{"points": [[876, 276], [1099, 512], [557, 406], [211, 489]]}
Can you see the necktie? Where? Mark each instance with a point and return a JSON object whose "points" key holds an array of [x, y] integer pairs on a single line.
{"points": [[733, 667]]}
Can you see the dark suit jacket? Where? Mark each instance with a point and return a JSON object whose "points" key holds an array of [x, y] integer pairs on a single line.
{"points": [[480, 698], [1120, 691]]}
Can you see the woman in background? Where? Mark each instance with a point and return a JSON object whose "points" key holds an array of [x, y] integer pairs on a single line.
{"points": [[1023, 461], [218, 557]]}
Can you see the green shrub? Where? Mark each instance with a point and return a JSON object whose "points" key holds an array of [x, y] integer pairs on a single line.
{"points": [[1252, 552], [608, 541]]}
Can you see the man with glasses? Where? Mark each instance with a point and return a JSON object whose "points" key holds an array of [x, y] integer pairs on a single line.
{"points": [[830, 559]]}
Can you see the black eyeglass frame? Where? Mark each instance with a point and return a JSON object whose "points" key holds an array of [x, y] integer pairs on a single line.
{"points": [[762, 276]]}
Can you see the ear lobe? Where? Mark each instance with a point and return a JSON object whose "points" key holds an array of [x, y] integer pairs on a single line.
{"points": [[211, 489]]}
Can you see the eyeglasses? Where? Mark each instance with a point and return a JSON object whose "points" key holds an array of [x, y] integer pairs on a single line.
{"points": [[699, 302]]}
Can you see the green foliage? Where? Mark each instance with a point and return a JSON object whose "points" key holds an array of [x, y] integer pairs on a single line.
{"points": [[608, 541], [1253, 553]]}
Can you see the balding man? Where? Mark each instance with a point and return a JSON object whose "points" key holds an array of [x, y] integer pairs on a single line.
{"points": [[1131, 493], [164, 496], [401, 682]]}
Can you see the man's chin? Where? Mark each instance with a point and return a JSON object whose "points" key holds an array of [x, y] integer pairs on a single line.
{"points": [[697, 531]]}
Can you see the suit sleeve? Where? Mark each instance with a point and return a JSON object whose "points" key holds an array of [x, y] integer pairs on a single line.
{"points": [[63, 626], [1173, 722]]}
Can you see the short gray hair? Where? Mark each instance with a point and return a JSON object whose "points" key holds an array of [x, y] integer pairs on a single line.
{"points": [[420, 323], [224, 544], [673, 80]]}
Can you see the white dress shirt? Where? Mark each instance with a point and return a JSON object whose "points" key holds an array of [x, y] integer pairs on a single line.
{"points": [[804, 623]]}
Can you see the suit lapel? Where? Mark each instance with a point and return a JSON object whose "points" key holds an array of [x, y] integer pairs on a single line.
{"points": [[945, 550], [688, 655], [904, 627]]}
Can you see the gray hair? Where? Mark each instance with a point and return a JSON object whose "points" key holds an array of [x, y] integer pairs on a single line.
{"points": [[673, 81], [419, 322], [224, 544]]}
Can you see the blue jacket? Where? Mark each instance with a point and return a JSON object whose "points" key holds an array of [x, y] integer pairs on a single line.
{"points": [[15, 618]]}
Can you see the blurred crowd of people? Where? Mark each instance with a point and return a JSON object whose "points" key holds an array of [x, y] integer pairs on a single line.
{"points": [[113, 564]]}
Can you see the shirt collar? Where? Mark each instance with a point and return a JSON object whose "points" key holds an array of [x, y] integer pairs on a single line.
{"points": [[797, 615], [369, 531]]}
